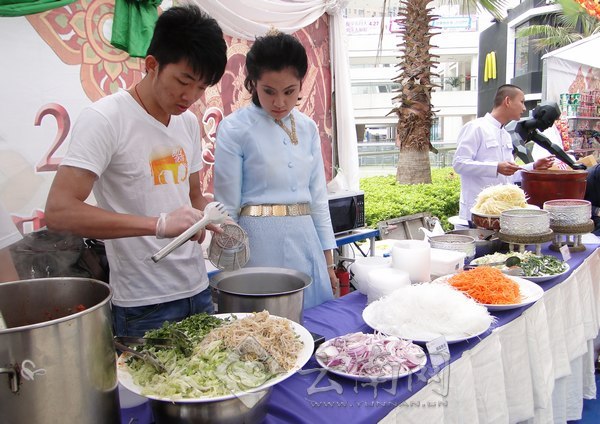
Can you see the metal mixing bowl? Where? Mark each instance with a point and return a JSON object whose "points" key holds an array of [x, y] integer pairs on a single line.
{"points": [[456, 242], [486, 241], [248, 408]]}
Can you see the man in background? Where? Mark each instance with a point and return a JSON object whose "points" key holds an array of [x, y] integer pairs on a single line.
{"points": [[484, 153]]}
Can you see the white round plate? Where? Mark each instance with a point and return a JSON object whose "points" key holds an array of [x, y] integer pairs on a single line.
{"points": [[368, 378], [546, 277], [530, 293], [417, 336], [126, 379]]}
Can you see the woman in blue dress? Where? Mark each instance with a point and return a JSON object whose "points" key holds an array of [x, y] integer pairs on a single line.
{"points": [[269, 171]]}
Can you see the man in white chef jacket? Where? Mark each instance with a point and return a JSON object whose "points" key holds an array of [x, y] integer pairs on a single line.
{"points": [[484, 153]]}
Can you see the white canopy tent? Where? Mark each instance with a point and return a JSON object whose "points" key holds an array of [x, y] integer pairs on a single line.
{"points": [[571, 69], [249, 19]]}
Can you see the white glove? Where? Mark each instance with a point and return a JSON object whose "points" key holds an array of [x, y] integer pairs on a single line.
{"points": [[176, 222]]}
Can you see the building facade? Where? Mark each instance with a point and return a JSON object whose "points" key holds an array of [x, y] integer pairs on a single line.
{"points": [[373, 66], [517, 60]]}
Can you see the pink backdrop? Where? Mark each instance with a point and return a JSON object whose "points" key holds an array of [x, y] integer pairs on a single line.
{"points": [[77, 35]]}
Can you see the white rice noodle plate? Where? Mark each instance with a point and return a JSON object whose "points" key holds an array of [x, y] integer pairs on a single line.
{"points": [[423, 312]]}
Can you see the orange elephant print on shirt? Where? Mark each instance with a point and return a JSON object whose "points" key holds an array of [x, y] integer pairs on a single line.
{"points": [[169, 167]]}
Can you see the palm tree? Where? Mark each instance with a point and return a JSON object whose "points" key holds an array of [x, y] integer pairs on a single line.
{"points": [[413, 99], [573, 23]]}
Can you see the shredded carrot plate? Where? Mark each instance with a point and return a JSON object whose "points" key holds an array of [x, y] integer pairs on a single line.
{"points": [[487, 285]]}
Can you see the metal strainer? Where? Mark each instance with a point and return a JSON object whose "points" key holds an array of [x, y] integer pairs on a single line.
{"points": [[229, 250]]}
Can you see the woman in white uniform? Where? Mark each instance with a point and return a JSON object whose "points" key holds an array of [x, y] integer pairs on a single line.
{"points": [[269, 170]]}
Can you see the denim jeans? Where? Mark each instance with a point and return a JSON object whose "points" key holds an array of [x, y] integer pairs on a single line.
{"points": [[136, 320]]}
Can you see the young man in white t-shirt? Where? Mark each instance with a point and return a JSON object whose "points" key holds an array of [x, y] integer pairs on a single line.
{"points": [[140, 153]]}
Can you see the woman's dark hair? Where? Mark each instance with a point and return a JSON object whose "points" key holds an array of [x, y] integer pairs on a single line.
{"points": [[274, 53], [187, 33]]}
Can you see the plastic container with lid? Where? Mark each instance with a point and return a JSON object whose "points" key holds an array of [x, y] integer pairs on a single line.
{"points": [[444, 262], [413, 256]]}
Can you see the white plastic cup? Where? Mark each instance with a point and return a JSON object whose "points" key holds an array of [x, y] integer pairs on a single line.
{"points": [[414, 257]]}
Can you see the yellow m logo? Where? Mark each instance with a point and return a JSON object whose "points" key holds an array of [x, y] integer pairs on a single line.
{"points": [[489, 70]]}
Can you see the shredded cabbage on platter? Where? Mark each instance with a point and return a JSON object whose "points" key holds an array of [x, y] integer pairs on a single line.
{"points": [[214, 369]]}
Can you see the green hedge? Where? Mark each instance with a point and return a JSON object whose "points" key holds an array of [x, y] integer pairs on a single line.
{"points": [[386, 199]]}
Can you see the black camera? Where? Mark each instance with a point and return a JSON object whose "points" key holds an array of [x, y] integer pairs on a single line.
{"points": [[529, 129]]}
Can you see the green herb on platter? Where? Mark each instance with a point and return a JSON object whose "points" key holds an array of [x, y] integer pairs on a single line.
{"points": [[538, 266], [532, 264]]}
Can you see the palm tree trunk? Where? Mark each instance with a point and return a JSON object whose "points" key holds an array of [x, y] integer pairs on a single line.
{"points": [[413, 167], [414, 111]]}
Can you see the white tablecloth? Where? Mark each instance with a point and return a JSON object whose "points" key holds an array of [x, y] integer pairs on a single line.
{"points": [[538, 368]]}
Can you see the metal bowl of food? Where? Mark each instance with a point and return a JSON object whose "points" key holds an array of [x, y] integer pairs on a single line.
{"points": [[229, 375], [248, 408], [486, 241]]}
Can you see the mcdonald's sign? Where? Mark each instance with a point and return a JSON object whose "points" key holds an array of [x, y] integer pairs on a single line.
{"points": [[489, 69]]}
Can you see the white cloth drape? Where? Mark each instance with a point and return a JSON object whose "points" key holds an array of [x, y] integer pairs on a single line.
{"points": [[536, 369], [248, 19]]}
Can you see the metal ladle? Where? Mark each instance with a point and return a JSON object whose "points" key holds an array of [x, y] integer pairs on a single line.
{"points": [[143, 355], [509, 262], [512, 263]]}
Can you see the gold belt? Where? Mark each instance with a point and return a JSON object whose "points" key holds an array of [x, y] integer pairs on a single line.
{"points": [[296, 209]]}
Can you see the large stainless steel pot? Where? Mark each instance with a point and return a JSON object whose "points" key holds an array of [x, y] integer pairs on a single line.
{"points": [[57, 359], [277, 290]]}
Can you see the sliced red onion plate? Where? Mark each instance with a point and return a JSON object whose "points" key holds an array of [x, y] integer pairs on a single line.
{"points": [[370, 355]]}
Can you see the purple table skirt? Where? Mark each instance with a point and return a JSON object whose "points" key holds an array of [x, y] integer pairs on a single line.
{"points": [[313, 396]]}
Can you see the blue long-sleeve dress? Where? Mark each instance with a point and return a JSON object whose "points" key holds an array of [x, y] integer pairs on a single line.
{"points": [[256, 164]]}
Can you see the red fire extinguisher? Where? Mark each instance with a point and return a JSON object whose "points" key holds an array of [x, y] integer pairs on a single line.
{"points": [[343, 277]]}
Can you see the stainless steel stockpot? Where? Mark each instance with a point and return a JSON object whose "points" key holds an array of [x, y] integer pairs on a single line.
{"points": [[277, 290], [57, 359]]}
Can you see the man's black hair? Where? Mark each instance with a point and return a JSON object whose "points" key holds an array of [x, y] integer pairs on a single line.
{"points": [[187, 33]]}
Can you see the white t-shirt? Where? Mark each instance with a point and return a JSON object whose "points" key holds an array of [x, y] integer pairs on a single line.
{"points": [[143, 169], [9, 234]]}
